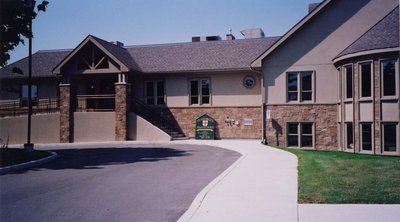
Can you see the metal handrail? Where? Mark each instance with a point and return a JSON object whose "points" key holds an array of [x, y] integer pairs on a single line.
{"points": [[143, 110], [100, 102]]}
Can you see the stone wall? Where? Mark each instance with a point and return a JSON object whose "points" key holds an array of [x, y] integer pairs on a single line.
{"points": [[186, 119], [324, 118]]}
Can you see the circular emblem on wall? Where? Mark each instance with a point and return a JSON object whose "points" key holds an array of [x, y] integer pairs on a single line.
{"points": [[249, 82]]}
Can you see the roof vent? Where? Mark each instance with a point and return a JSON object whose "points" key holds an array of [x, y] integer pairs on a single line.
{"points": [[118, 43], [206, 38], [253, 33]]}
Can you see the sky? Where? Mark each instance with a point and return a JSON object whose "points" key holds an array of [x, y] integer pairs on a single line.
{"points": [[138, 22]]}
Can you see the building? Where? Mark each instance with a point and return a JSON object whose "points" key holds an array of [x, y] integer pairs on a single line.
{"points": [[330, 83]]}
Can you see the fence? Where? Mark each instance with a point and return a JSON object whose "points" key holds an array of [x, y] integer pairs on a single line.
{"points": [[16, 108]]}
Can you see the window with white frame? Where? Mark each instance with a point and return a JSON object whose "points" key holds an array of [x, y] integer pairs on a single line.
{"points": [[389, 137], [366, 79], [25, 97], [155, 93], [366, 136], [388, 75], [348, 77], [199, 91], [300, 134], [300, 86], [349, 133]]}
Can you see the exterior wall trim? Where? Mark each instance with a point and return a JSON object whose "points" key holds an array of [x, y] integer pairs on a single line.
{"points": [[374, 51]]}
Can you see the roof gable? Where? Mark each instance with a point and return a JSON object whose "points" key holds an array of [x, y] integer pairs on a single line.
{"points": [[257, 63], [119, 56]]}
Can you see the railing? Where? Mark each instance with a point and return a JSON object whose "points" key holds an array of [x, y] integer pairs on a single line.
{"points": [[95, 103], [168, 125], [16, 108]]}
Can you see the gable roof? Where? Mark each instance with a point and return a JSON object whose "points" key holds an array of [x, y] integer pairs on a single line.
{"points": [[258, 61], [119, 56], [161, 58], [199, 56], [383, 35], [42, 64]]}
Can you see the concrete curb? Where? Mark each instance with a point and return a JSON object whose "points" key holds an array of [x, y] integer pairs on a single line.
{"points": [[196, 203], [30, 164]]}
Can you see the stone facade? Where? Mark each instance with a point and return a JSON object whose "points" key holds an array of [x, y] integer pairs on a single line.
{"points": [[229, 120], [323, 116], [121, 111], [65, 113]]}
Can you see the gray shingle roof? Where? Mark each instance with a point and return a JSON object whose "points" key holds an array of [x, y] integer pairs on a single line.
{"points": [[42, 64], [199, 56], [385, 34], [174, 57]]}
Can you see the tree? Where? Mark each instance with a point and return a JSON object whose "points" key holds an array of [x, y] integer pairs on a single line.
{"points": [[14, 19]]}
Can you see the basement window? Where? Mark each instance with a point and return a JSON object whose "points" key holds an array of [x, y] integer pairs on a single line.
{"points": [[300, 134]]}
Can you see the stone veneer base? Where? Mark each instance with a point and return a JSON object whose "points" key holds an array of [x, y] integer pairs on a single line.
{"points": [[324, 118]]}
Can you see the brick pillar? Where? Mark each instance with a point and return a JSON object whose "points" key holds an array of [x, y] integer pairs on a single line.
{"points": [[121, 111], [65, 113]]}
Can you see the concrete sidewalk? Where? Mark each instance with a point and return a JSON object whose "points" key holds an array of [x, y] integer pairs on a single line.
{"points": [[260, 186]]}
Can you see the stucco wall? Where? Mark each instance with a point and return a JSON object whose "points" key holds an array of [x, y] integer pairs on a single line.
{"points": [[45, 128], [319, 41], [141, 129], [226, 88], [94, 126]]}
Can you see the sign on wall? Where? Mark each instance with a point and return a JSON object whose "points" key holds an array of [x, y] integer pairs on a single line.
{"points": [[205, 128]]}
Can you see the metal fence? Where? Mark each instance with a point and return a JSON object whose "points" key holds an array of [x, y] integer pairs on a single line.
{"points": [[18, 108]]}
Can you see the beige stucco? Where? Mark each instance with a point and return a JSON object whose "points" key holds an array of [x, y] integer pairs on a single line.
{"points": [[94, 126], [348, 112], [141, 129], [317, 43], [390, 111], [45, 129], [366, 112], [226, 88]]}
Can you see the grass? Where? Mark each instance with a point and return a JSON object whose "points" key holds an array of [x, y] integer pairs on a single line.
{"points": [[11, 156], [346, 178]]}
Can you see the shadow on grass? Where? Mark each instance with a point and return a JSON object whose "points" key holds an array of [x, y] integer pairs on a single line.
{"points": [[99, 157]]}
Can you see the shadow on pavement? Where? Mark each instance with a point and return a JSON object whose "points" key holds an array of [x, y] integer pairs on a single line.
{"points": [[99, 157]]}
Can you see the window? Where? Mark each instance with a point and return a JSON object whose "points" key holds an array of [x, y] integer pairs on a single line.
{"points": [[24, 95], [349, 81], [199, 91], [155, 93], [366, 80], [366, 136], [389, 137], [300, 135], [388, 72], [349, 136], [300, 86]]}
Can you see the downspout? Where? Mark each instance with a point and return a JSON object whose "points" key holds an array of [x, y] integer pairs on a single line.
{"points": [[263, 110]]}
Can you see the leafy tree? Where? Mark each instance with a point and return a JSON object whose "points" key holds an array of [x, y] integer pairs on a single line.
{"points": [[15, 16]]}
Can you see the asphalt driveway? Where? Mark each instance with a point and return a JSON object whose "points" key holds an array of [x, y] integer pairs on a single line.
{"points": [[135, 183]]}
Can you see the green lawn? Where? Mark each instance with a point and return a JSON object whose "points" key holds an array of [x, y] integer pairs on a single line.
{"points": [[338, 177], [11, 156]]}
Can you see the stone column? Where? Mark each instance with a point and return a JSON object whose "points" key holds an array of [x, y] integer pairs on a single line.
{"points": [[65, 113], [121, 111]]}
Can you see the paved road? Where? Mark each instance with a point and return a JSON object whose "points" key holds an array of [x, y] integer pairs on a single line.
{"points": [[136, 183]]}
